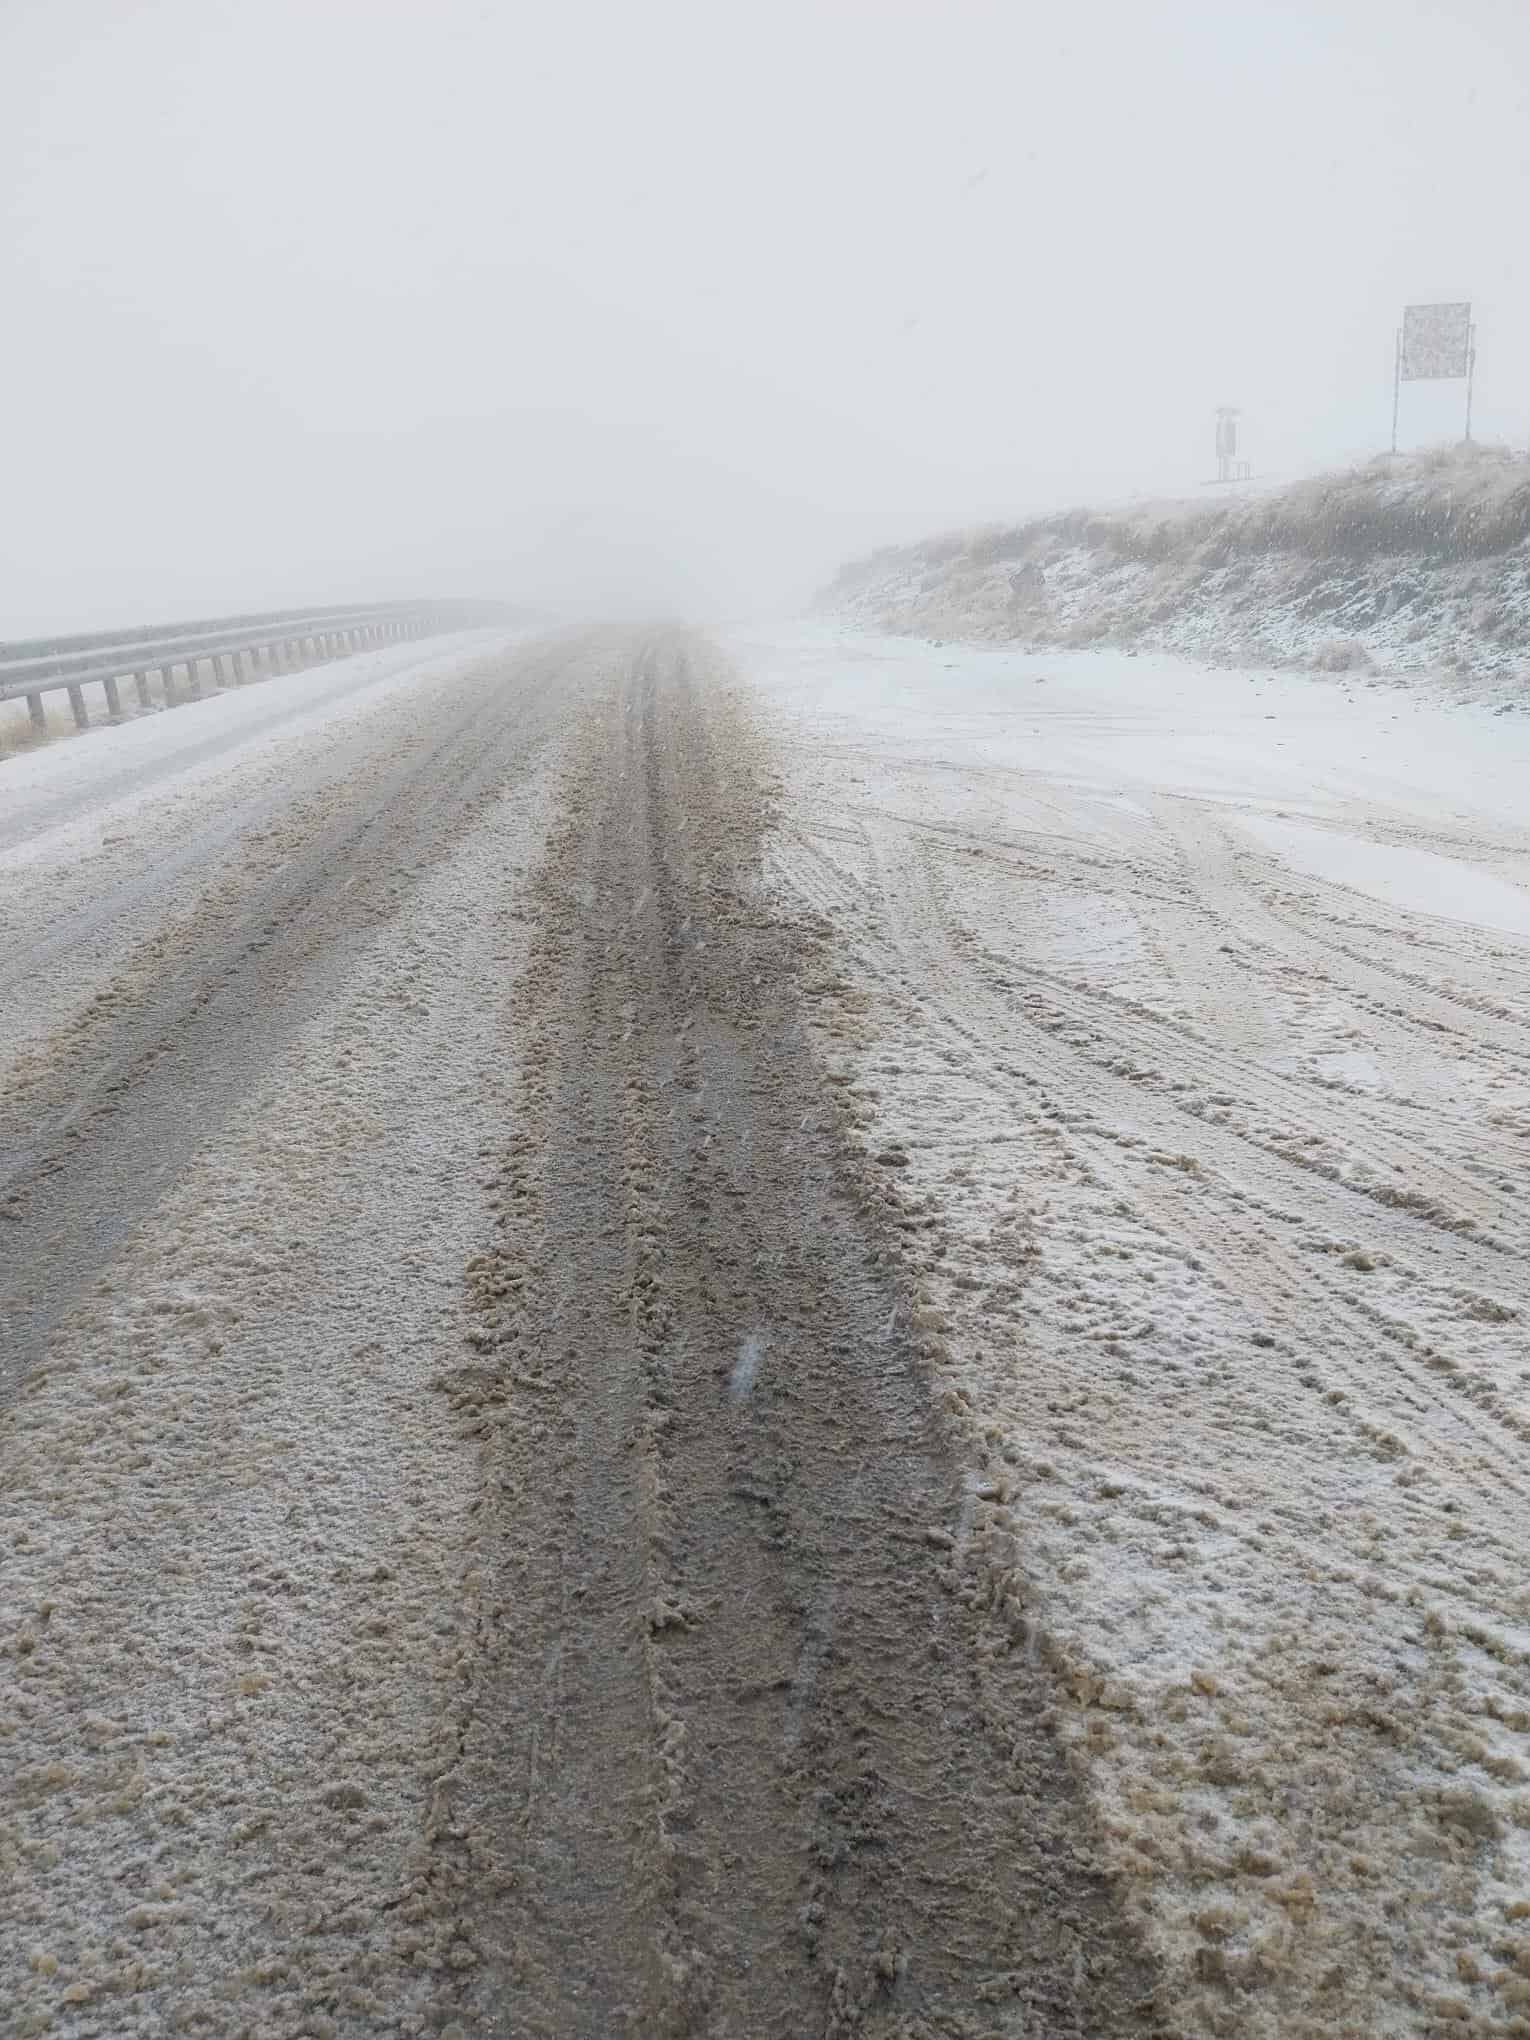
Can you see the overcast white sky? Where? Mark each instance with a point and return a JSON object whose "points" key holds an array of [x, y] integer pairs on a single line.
{"points": [[678, 304]]}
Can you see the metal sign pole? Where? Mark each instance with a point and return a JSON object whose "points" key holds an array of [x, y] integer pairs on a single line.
{"points": [[1471, 375], [1396, 385]]}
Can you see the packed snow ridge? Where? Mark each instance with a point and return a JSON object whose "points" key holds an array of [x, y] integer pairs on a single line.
{"points": [[1416, 564]]}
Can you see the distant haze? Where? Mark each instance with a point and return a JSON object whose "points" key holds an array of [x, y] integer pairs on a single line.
{"points": [[674, 306]]}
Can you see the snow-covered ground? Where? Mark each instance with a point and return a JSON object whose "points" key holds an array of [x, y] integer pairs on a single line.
{"points": [[1189, 1012]]}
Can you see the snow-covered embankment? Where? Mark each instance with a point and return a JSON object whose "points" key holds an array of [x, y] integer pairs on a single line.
{"points": [[1414, 566]]}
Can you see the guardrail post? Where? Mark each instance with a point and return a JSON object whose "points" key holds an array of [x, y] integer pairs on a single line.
{"points": [[239, 673], [220, 671], [193, 681], [77, 703], [141, 682], [113, 699], [37, 712], [167, 676]]}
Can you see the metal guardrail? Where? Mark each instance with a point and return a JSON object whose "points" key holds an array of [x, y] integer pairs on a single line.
{"points": [[233, 649]]}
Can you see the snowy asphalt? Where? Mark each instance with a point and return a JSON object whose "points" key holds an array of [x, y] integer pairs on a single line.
{"points": [[418, 1616], [823, 1341]]}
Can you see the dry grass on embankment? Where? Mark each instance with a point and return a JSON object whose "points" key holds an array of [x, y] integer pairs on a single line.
{"points": [[1414, 564], [18, 732]]}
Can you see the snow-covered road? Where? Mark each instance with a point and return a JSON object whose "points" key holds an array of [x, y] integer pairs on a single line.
{"points": [[256, 978], [679, 1344], [1196, 1005], [413, 1617], [181, 892]]}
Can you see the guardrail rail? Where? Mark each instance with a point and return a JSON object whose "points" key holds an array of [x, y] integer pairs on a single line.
{"points": [[232, 650]]}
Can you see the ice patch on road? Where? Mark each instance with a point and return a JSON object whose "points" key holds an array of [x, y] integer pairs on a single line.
{"points": [[1419, 880]]}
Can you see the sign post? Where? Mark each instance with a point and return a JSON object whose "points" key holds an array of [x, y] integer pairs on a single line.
{"points": [[1227, 442], [1396, 384], [1435, 343], [1229, 467]]}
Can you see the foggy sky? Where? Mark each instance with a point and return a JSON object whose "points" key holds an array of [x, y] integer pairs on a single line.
{"points": [[674, 305]]}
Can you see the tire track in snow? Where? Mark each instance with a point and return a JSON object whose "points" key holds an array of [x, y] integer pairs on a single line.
{"points": [[790, 1784], [1282, 1586]]}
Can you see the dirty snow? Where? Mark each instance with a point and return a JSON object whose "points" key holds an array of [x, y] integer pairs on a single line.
{"points": [[237, 1594], [1199, 1003]]}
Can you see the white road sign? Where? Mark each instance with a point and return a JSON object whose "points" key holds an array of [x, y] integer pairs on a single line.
{"points": [[1436, 341]]}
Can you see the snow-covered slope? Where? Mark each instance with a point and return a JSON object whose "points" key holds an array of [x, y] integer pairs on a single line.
{"points": [[1417, 565]]}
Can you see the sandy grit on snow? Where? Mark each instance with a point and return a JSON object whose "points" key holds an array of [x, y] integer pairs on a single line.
{"points": [[1192, 1012]]}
